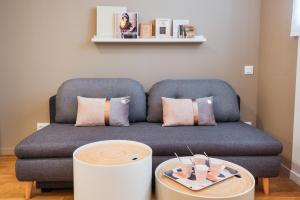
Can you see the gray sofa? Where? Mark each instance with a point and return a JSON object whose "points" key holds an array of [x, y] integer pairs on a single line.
{"points": [[46, 156]]}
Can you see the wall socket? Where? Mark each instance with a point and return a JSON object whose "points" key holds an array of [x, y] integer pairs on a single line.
{"points": [[41, 125], [249, 123]]}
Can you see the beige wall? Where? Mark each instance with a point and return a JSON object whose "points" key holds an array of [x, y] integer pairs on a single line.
{"points": [[277, 73], [45, 42]]}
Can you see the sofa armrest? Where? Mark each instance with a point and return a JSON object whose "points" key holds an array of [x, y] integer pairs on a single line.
{"points": [[52, 109], [239, 101]]}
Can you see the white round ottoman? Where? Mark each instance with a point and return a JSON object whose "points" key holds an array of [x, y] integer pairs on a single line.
{"points": [[231, 189], [112, 170]]}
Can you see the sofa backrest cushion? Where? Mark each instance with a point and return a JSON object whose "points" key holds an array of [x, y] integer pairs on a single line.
{"points": [[66, 100], [226, 108]]}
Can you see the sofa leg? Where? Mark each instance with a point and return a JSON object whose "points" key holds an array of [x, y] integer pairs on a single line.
{"points": [[265, 182], [28, 189]]}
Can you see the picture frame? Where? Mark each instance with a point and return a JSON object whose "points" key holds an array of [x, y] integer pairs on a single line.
{"points": [[126, 24], [146, 30], [189, 31], [176, 26], [163, 28]]}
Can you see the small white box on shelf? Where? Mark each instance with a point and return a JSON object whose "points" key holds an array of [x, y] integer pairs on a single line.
{"points": [[163, 28], [176, 24], [106, 20]]}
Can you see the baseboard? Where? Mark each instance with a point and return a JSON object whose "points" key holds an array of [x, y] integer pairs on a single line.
{"points": [[295, 173], [285, 170], [294, 176], [7, 151]]}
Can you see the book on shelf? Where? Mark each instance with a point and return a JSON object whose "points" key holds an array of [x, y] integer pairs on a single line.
{"points": [[106, 20]]}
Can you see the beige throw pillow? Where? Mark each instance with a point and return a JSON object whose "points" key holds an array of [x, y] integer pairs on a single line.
{"points": [[177, 112], [186, 112], [102, 111], [90, 111]]}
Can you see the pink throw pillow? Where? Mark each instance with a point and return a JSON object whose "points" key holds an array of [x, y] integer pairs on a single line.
{"points": [[177, 112], [90, 111]]}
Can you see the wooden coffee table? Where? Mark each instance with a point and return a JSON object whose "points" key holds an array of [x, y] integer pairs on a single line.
{"points": [[231, 189], [114, 170]]}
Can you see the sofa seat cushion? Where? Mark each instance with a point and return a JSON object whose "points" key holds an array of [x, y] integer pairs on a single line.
{"points": [[225, 139]]}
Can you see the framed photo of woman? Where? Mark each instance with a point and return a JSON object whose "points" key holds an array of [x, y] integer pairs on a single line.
{"points": [[126, 25]]}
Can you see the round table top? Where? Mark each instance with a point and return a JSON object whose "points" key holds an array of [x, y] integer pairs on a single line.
{"points": [[228, 188], [112, 152]]}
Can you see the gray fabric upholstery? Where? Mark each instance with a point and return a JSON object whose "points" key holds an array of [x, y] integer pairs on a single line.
{"points": [[226, 107], [54, 169], [62, 168], [225, 139], [206, 111], [66, 100], [46, 156], [119, 111]]}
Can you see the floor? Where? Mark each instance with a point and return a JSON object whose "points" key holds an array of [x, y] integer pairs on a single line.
{"points": [[10, 189]]}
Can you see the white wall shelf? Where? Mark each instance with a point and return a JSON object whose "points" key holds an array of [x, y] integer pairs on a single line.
{"points": [[196, 39]]}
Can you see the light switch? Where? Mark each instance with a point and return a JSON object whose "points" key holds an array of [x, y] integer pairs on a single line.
{"points": [[249, 70]]}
